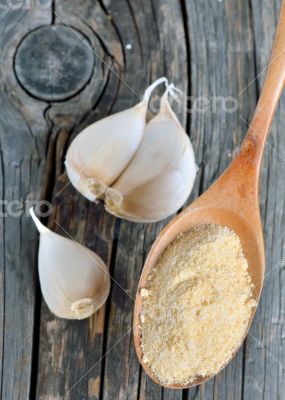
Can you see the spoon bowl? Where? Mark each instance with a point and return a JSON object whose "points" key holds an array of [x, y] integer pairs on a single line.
{"points": [[232, 201], [192, 217]]}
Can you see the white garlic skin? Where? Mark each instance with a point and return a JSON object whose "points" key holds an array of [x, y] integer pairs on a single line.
{"points": [[99, 154], [160, 177], [74, 280]]}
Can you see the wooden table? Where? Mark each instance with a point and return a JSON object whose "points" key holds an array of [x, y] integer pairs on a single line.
{"points": [[209, 48]]}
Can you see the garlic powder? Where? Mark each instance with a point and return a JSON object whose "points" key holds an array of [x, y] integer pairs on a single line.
{"points": [[198, 306]]}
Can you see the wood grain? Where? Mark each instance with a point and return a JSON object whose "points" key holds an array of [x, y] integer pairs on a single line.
{"points": [[22, 165], [221, 44], [264, 361], [208, 48]]}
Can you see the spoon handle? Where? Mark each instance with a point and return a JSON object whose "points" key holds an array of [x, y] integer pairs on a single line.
{"points": [[237, 188], [253, 145]]}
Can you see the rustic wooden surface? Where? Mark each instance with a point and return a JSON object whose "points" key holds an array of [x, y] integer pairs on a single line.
{"points": [[208, 48]]}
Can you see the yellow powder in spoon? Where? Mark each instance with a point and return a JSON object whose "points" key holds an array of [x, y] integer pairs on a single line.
{"points": [[196, 306]]}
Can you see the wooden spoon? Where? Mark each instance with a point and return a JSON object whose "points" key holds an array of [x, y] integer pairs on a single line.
{"points": [[232, 200]]}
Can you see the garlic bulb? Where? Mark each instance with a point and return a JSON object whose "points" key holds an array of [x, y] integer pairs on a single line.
{"points": [[100, 153], [159, 178], [74, 280]]}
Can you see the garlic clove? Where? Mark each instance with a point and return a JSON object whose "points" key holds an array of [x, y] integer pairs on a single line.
{"points": [[100, 153], [160, 177], [74, 280]]}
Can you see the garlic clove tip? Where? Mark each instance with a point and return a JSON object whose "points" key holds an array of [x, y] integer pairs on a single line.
{"points": [[41, 228]]}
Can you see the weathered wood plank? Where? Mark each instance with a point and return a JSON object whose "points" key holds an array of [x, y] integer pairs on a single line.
{"points": [[264, 362], [2, 270], [67, 350], [158, 48], [23, 132], [222, 63]]}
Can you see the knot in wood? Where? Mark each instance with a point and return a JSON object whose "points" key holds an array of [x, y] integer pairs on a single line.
{"points": [[54, 62]]}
